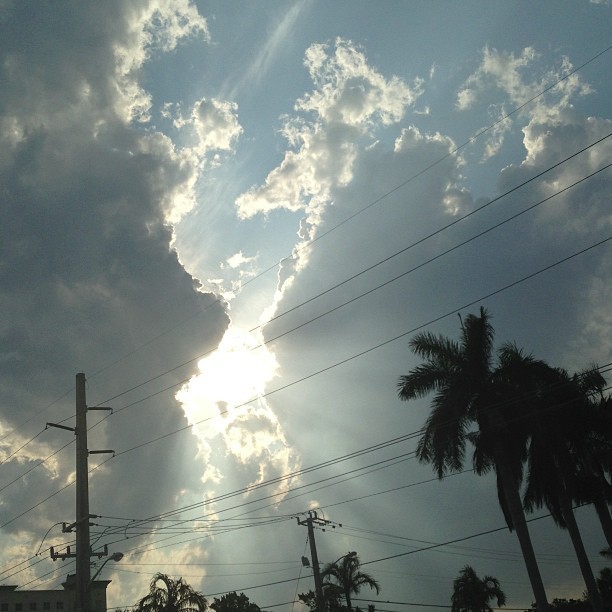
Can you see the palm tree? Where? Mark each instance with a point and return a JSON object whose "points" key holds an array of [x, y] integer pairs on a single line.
{"points": [[472, 594], [594, 464], [559, 453], [171, 596], [345, 576], [471, 393], [604, 584]]}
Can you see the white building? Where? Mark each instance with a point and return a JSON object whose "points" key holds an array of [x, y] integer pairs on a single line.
{"points": [[12, 600]]}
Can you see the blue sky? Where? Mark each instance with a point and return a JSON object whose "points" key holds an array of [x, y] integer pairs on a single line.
{"points": [[216, 211]]}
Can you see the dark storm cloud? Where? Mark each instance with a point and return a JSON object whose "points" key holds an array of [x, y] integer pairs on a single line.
{"points": [[87, 275]]}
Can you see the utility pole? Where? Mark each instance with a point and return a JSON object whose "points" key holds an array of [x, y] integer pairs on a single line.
{"points": [[82, 500], [83, 551], [313, 518]]}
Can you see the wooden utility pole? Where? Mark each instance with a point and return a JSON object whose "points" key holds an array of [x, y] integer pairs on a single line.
{"points": [[313, 517], [82, 500], [81, 524]]}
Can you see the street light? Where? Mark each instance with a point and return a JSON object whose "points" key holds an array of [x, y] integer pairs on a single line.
{"points": [[114, 557]]}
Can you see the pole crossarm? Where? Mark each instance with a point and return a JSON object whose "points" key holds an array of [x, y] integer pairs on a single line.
{"points": [[63, 556], [69, 527], [72, 555], [73, 429]]}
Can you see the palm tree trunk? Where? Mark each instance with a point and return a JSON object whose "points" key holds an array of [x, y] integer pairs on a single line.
{"points": [[515, 507], [603, 512], [583, 560], [347, 595]]}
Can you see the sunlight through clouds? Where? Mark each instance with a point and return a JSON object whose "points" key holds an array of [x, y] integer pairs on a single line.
{"points": [[224, 403], [157, 156]]}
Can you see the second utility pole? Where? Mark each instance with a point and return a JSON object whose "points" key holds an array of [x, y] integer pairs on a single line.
{"points": [[312, 516]]}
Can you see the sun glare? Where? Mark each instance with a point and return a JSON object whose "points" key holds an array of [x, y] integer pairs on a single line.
{"points": [[225, 403], [230, 379]]}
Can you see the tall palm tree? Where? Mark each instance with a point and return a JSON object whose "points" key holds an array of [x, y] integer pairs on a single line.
{"points": [[604, 584], [478, 402], [559, 452], [473, 594], [345, 576], [595, 465], [169, 595]]}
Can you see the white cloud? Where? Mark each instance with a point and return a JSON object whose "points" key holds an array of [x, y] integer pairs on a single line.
{"points": [[350, 102], [239, 259], [584, 207], [511, 74], [348, 99], [216, 124], [158, 25], [351, 92], [504, 70]]}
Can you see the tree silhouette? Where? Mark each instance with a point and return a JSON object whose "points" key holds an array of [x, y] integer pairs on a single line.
{"points": [[231, 602], [345, 578], [470, 390], [472, 594], [560, 604], [331, 599], [595, 463], [171, 595], [560, 451]]}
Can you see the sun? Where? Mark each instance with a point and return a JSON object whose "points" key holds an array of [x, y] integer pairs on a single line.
{"points": [[225, 402], [235, 375]]}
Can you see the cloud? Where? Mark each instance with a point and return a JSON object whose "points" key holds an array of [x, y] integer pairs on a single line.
{"points": [[504, 69], [511, 74], [239, 259], [552, 129], [351, 92], [91, 282], [88, 276], [348, 99], [155, 26], [216, 124], [354, 404]]}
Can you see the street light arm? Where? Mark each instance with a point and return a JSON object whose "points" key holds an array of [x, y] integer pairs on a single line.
{"points": [[114, 557]]}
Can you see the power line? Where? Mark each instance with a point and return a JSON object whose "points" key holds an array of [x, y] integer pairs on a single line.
{"points": [[382, 197], [191, 539], [413, 269], [386, 259], [470, 140], [369, 350], [301, 472], [475, 535], [283, 313]]}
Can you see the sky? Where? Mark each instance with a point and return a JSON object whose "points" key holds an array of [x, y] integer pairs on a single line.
{"points": [[232, 217]]}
